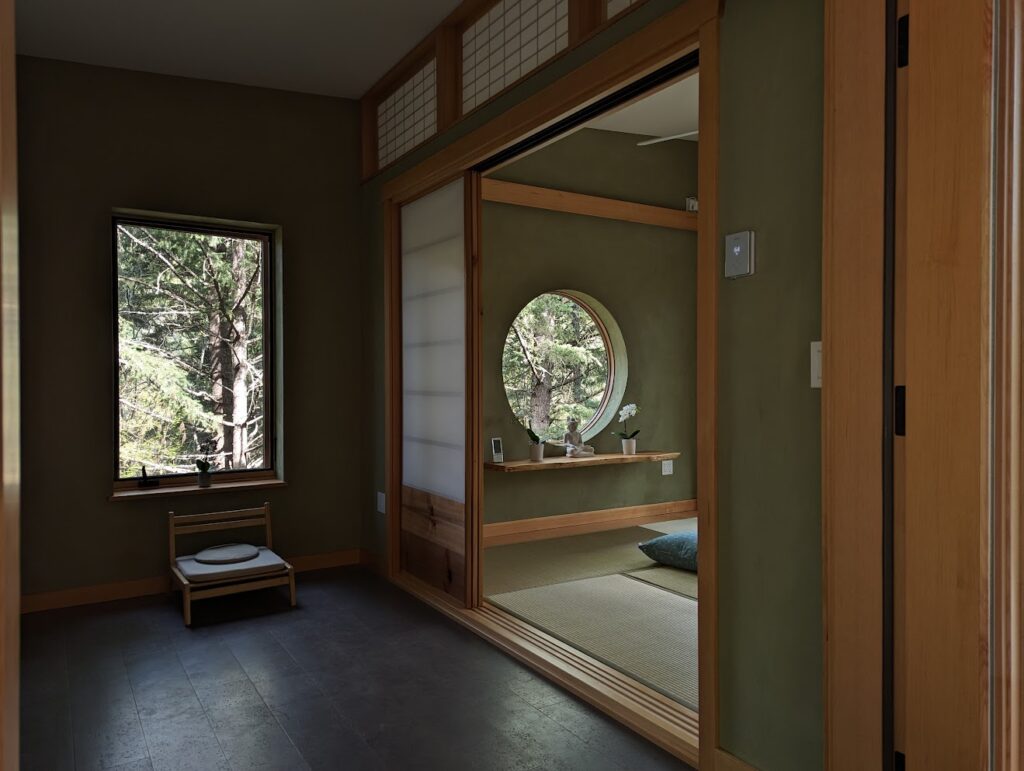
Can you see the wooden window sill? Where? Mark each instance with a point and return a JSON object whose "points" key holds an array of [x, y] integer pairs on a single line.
{"points": [[135, 493], [563, 462]]}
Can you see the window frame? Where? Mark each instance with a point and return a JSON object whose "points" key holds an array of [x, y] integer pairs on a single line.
{"points": [[609, 348], [268, 235]]}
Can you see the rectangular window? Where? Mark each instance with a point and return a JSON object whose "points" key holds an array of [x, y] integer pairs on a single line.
{"points": [[193, 335]]}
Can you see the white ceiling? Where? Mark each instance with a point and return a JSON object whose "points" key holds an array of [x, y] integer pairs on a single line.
{"points": [[673, 110], [332, 47]]}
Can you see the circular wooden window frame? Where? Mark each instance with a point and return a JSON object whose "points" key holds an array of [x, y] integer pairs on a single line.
{"points": [[614, 345]]}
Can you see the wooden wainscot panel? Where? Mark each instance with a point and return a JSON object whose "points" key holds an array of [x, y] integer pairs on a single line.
{"points": [[433, 540]]}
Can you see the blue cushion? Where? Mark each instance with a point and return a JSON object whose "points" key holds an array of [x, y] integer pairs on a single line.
{"points": [[677, 550]]}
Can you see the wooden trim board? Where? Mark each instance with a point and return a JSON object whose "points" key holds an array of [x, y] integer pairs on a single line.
{"points": [[852, 334], [578, 523], [651, 714], [1008, 602], [707, 389], [948, 362], [144, 587], [10, 443], [531, 196]]}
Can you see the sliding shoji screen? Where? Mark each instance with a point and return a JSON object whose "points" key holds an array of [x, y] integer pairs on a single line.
{"points": [[408, 116], [507, 42], [434, 388]]}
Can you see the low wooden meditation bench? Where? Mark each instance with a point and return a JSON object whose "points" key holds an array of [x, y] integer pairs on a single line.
{"points": [[228, 568]]}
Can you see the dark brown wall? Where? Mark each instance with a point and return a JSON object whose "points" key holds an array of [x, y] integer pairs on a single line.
{"points": [[92, 139]]}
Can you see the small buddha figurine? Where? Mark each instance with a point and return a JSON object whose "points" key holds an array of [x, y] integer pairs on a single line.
{"points": [[575, 447]]}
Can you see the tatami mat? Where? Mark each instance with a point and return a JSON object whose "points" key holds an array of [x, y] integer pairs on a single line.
{"points": [[673, 579], [637, 628], [688, 525], [556, 560]]}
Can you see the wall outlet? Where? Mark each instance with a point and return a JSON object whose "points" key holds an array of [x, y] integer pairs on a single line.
{"points": [[381, 503], [816, 364], [666, 468]]}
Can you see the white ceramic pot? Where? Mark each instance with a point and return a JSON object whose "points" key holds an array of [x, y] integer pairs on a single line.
{"points": [[536, 452], [629, 446]]}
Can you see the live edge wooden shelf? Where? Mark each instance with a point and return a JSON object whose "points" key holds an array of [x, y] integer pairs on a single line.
{"points": [[562, 462]]}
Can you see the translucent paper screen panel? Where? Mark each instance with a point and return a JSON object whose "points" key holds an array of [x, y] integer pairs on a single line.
{"points": [[507, 43], [434, 343], [408, 116]]}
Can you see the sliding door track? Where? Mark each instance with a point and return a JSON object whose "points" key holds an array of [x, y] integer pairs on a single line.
{"points": [[651, 714]]}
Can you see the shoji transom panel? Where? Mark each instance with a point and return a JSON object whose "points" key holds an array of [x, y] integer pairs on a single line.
{"points": [[509, 41]]}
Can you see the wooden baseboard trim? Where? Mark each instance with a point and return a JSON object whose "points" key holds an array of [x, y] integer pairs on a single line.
{"points": [[144, 587], [559, 525], [90, 595], [654, 716], [333, 559], [726, 762]]}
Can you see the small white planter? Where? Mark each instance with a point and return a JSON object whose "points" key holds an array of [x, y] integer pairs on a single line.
{"points": [[629, 446], [536, 452]]}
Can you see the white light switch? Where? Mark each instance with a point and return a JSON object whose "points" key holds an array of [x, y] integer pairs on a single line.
{"points": [[816, 364], [666, 468], [381, 503]]}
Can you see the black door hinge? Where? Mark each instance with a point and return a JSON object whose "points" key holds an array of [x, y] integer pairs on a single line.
{"points": [[899, 411], [900, 763], [903, 40]]}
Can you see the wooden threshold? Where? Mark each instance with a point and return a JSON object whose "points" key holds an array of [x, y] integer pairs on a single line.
{"points": [[580, 522], [653, 715], [563, 462], [531, 196]]}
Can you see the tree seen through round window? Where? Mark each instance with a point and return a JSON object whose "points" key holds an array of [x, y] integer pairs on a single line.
{"points": [[556, 365]]}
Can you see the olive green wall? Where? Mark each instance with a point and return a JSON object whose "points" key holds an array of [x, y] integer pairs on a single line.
{"points": [[644, 276], [769, 470], [770, 636], [92, 139]]}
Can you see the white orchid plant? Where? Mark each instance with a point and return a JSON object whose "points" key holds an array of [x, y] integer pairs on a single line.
{"points": [[628, 411]]}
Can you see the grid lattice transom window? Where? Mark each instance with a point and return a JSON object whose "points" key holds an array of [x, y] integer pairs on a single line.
{"points": [[193, 306], [507, 42], [409, 116]]}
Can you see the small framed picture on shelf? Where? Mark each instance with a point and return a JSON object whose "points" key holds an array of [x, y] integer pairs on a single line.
{"points": [[496, 450]]}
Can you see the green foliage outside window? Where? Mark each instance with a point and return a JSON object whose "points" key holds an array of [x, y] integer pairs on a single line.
{"points": [[555, 365], [190, 350]]}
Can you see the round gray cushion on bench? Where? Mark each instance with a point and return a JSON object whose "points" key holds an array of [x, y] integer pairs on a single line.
{"points": [[227, 554]]}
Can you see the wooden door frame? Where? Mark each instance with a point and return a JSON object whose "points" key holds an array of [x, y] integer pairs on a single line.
{"points": [[1008, 392], [692, 25], [853, 209], [10, 443]]}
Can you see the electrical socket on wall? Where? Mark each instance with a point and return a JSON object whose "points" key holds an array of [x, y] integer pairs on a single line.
{"points": [[666, 468], [381, 503], [816, 364]]}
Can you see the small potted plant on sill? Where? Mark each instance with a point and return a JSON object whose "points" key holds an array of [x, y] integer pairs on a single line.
{"points": [[536, 445], [628, 437], [203, 465]]}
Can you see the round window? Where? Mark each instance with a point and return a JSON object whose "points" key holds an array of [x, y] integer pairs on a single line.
{"points": [[562, 361]]}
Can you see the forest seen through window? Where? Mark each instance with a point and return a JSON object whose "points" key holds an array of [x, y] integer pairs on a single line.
{"points": [[191, 350]]}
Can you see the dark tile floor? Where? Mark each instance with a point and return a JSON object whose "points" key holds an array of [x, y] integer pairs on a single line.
{"points": [[359, 676]]}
